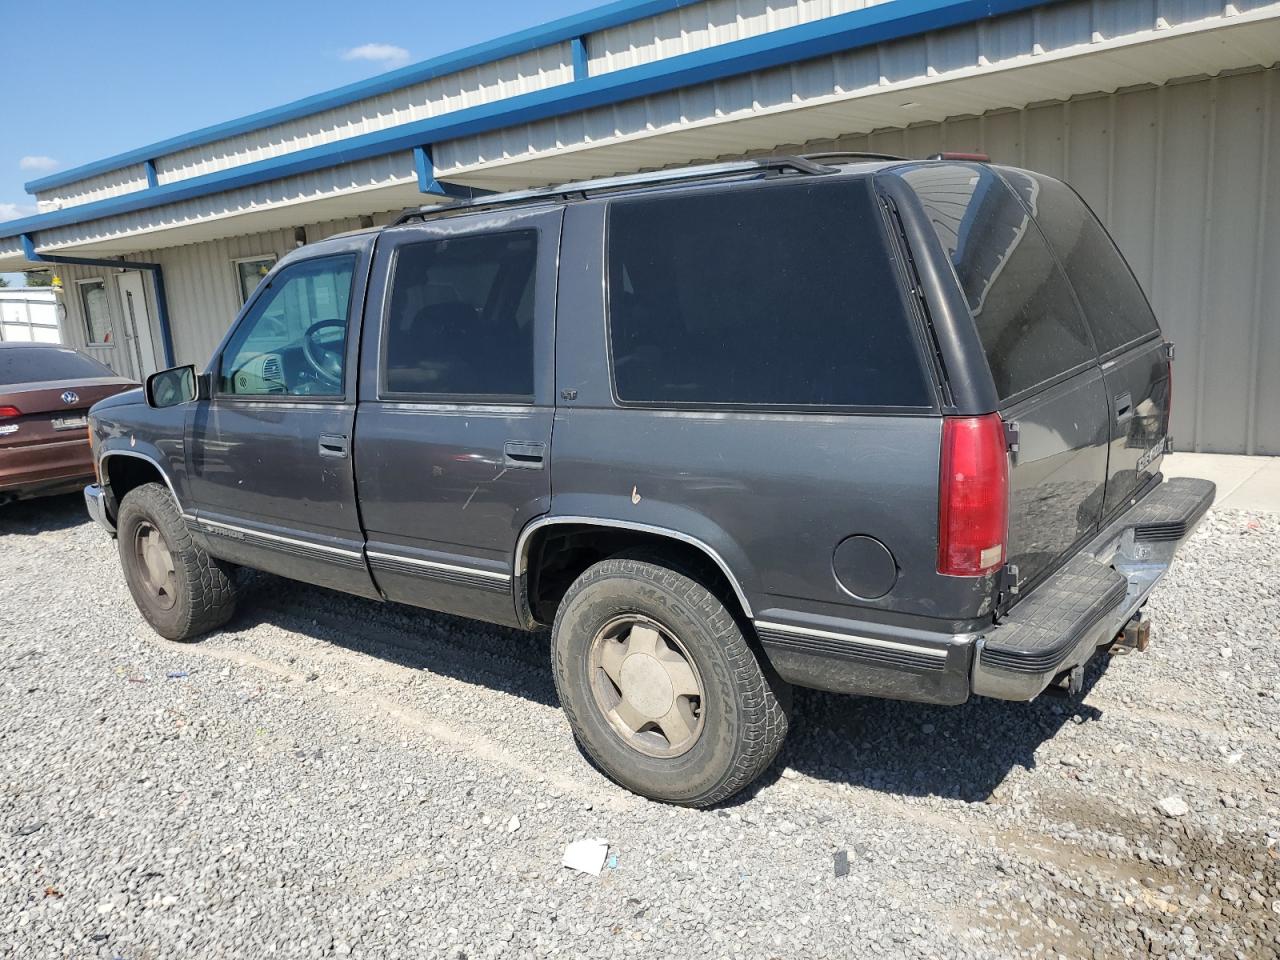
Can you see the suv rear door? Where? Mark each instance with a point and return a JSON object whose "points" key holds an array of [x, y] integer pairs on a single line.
{"points": [[1134, 362], [453, 435], [1040, 353]]}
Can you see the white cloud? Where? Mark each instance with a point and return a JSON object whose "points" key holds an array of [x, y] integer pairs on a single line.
{"points": [[386, 53], [13, 211], [37, 163]]}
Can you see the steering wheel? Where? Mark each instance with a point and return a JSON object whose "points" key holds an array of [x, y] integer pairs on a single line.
{"points": [[323, 358]]}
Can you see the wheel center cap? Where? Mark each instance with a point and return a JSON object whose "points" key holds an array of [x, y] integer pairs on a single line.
{"points": [[646, 686]]}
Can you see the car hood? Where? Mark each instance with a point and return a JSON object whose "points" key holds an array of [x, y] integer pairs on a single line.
{"points": [[125, 399]]}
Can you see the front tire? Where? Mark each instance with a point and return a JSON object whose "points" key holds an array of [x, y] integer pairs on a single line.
{"points": [[179, 589], [660, 686]]}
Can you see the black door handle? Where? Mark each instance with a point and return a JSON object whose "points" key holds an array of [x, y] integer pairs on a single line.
{"points": [[333, 445], [524, 454]]}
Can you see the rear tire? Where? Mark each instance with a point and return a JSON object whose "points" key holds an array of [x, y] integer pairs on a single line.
{"points": [[632, 639], [179, 589]]}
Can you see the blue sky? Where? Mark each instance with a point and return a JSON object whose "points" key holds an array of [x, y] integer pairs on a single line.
{"points": [[120, 76]]}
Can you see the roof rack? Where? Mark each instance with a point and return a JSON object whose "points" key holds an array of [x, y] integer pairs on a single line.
{"points": [[582, 188], [959, 155], [855, 154]]}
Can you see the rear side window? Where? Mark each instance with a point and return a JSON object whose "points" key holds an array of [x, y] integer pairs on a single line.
{"points": [[1114, 304], [42, 364], [778, 295], [460, 323], [1022, 304]]}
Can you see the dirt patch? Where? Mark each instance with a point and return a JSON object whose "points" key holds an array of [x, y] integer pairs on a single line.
{"points": [[1139, 885]]}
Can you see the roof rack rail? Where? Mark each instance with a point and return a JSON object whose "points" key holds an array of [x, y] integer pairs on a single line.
{"points": [[581, 188], [856, 154], [961, 155]]}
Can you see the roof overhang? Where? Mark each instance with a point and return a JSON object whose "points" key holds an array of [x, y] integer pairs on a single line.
{"points": [[1198, 48]]}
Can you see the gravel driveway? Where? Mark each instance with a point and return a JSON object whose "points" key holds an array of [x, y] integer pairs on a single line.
{"points": [[330, 776]]}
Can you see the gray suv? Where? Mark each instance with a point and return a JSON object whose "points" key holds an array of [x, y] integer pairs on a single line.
{"points": [[881, 427]]}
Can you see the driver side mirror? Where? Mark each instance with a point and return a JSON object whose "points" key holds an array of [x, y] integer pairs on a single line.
{"points": [[168, 388]]}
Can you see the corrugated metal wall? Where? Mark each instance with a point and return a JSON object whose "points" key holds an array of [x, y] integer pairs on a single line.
{"points": [[113, 183], [347, 180], [1187, 178]]}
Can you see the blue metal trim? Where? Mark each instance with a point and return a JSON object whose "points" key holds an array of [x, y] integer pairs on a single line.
{"points": [[859, 28], [581, 68], [426, 168], [157, 274], [544, 35], [150, 167]]}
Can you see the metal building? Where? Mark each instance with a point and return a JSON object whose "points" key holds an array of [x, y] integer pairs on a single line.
{"points": [[1162, 112]]}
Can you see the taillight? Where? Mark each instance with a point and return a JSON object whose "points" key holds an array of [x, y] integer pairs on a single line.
{"points": [[8, 413], [973, 505]]}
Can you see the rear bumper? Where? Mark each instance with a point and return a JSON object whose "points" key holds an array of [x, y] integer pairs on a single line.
{"points": [[1087, 603], [44, 468], [1054, 628], [95, 501]]}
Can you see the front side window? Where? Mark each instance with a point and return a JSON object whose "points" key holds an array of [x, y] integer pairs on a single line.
{"points": [[250, 273], [774, 295], [293, 340], [460, 323], [97, 312], [1030, 328]]}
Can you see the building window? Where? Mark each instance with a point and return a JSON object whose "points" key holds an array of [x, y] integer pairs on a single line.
{"points": [[249, 273], [97, 313]]}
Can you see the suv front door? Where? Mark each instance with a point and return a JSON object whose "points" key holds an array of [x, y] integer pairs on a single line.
{"points": [[269, 454], [456, 404]]}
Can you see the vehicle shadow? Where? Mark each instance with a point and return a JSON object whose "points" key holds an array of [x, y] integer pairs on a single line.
{"points": [[961, 752], [513, 661], [43, 514]]}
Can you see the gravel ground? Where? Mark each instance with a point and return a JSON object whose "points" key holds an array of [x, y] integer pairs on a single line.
{"points": [[329, 776]]}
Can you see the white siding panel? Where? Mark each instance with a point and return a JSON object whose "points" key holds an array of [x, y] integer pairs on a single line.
{"points": [[531, 71], [852, 77], [113, 183], [349, 179], [703, 25]]}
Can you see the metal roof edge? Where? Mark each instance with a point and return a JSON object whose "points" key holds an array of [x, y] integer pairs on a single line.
{"points": [[858, 28], [523, 41]]}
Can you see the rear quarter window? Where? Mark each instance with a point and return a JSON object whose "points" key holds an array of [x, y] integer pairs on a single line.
{"points": [[42, 364], [1027, 319], [765, 294], [1114, 305]]}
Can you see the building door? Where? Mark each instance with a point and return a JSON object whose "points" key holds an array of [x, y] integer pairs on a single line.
{"points": [[138, 348]]}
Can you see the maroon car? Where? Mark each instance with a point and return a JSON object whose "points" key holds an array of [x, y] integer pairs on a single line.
{"points": [[45, 395]]}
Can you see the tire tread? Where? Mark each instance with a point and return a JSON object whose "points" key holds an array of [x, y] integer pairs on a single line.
{"points": [[765, 726], [209, 581]]}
